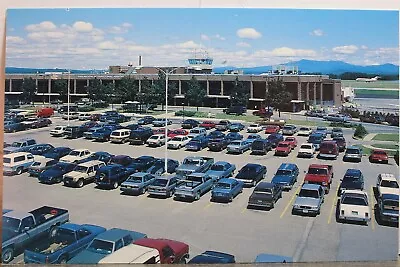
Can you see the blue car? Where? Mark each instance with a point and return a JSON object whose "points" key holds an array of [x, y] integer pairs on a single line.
{"points": [[57, 152], [316, 139], [226, 189], [68, 241], [111, 176], [286, 175], [197, 143], [55, 173], [275, 138], [250, 139], [236, 127], [232, 136], [101, 155], [212, 257], [215, 135]]}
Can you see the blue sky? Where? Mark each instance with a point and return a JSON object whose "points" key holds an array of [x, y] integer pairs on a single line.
{"points": [[97, 38]]}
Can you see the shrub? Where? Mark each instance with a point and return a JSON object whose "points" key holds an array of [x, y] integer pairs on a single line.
{"points": [[185, 113], [360, 131], [343, 125], [100, 105], [86, 109]]}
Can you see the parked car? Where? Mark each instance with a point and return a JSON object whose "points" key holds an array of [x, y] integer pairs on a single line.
{"points": [[265, 195], [264, 112], [194, 164], [111, 176], [309, 200], [270, 129], [286, 175], [283, 149], [328, 149], [251, 174], [29, 122], [237, 110], [289, 129], [17, 163], [316, 139], [212, 257], [386, 184], [336, 118], [45, 112], [133, 126], [100, 155], [236, 127], [197, 143], [320, 174], [388, 208], [254, 128], [177, 132], [226, 189], [353, 179], [71, 115], [304, 131], [76, 155], [40, 164], [137, 183], [217, 144], [40, 123], [178, 142], [140, 136], [146, 120], [197, 131], [123, 160], [163, 186], [353, 153], [378, 155], [69, 240], [73, 132], [274, 139], [193, 186], [171, 251], [88, 134], [84, 116], [336, 132], [238, 146], [120, 135], [321, 130], [57, 152], [306, 150], [158, 166], [156, 140], [140, 164], [354, 206], [132, 254], [13, 126], [260, 146], [161, 131], [292, 140], [207, 125], [190, 123], [223, 125], [58, 131], [341, 143], [102, 134], [104, 244], [221, 169], [233, 136], [39, 149], [252, 137], [55, 173], [83, 173], [19, 146], [161, 122], [215, 134]]}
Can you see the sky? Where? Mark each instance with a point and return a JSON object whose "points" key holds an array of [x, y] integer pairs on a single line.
{"points": [[98, 38]]}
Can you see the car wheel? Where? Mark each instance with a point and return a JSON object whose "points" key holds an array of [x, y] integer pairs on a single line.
{"points": [[80, 183], [272, 205], [52, 231], [115, 185], [197, 197], [253, 183], [7, 255], [63, 260], [19, 171], [230, 198]]}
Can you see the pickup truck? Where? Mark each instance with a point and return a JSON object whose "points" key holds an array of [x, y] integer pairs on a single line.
{"points": [[19, 229], [69, 240], [193, 186], [171, 251], [194, 164], [320, 174]]}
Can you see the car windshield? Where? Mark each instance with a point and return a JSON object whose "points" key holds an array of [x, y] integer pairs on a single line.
{"points": [[16, 144], [81, 169], [235, 143], [223, 186], [195, 131], [223, 122], [252, 137], [217, 167], [283, 145], [253, 125], [321, 129], [191, 162], [196, 141], [101, 246], [36, 163], [135, 179], [283, 172], [64, 236], [306, 147], [177, 139], [380, 152], [58, 128], [352, 151], [116, 133], [308, 193], [6, 160], [314, 139], [317, 171], [154, 137], [390, 204], [349, 178], [75, 153], [160, 182], [391, 184], [267, 191], [304, 129], [353, 200], [10, 223]]}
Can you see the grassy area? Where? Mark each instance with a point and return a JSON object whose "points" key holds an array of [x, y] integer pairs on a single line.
{"points": [[248, 118], [386, 137], [377, 84], [308, 123], [386, 146], [367, 151], [377, 93]]}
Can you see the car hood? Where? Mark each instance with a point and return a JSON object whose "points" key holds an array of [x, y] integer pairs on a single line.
{"points": [[388, 190], [350, 185], [281, 179], [7, 234], [307, 201], [49, 174], [11, 149], [69, 158], [87, 257], [175, 142], [305, 150], [187, 167], [75, 174], [214, 173]]}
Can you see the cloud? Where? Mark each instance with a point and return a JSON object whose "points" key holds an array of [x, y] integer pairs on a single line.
{"points": [[364, 47], [43, 26], [123, 28], [15, 39], [219, 37], [107, 45], [204, 37], [119, 39], [82, 26], [346, 49], [126, 25], [248, 33], [243, 44], [290, 52], [317, 32], [188, 44]]}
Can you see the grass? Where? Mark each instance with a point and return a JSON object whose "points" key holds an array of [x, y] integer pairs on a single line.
{"points": [[378, 84], [377, 93], [386, 146], [367, 151], [386, 137], [308, 123]]}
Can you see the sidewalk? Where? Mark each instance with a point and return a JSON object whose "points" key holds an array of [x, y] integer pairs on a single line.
{"points": [[369, 137]]}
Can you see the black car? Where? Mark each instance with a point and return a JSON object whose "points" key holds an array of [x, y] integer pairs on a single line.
{"points": [[140, 136], [158, 167], [388, 209], [212, 257], [39, 149], [190, 123], [123, 160], [55, 173], [352, 179], [74, 132], [140, 164], [132, 127], [233, 136], [146, 120], [101, 156], [111, 176], [217, 144], [261, 146], [238, 110], [274, 139], [215, 135], [265, 195], [57, 152], [251, 174]]}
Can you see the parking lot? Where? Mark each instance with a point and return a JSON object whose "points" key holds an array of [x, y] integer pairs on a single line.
{"points": [[205, 225]]}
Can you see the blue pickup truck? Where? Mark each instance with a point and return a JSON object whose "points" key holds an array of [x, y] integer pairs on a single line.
{"points": [[69, 240]]}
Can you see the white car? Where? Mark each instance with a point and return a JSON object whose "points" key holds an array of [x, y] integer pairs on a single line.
{"points": [[58, 131], [304, 131], [156, 140], [198, 131], [76, 155], [387, 184], [72, 115], [120, 136], [306, 150], [354, 206], [254, 128], [178, 141], [84, 116]]}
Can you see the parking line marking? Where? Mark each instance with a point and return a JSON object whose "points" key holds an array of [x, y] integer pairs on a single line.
{"points": [[290, 201], [334, 201], [372, 209], [243, 210], [208, 205]]}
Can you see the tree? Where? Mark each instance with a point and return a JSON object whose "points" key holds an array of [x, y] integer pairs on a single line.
{"points": [[239, 95], [61, 87], [126, 90], [195, 93], [28, 89], [159, 89], [147, 95], [278, 96]]}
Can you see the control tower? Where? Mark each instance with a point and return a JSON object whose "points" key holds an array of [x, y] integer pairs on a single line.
{"points": [[200, 63]]}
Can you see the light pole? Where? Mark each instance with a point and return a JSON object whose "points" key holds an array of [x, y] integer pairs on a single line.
{"points": [[69, 82]]}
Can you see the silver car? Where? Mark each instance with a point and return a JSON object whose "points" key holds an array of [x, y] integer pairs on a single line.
{"points": [[163, 186], [238, 146], [309, 200]]}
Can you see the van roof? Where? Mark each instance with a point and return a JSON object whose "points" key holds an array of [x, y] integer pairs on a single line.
{"points": [[131, 254], [16, 154]]}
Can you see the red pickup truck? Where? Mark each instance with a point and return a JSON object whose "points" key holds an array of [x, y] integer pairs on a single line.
{"points": [[320, 174], [170, 251]]}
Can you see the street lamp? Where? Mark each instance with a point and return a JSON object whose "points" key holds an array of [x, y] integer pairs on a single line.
{"points": [[69, 82]]}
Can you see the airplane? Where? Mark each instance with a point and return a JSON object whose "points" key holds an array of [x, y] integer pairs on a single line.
{"points": [[368, 79]]}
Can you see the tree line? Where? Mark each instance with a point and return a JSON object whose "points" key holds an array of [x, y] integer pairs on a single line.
{"points": [[355, 75]]}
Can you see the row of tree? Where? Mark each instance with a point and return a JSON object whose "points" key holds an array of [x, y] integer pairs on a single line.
{"points": [[355, 75], [154, 93]]}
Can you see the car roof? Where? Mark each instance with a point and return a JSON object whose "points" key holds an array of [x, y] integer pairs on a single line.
{"points": [[113, 234], [16, 154], [264, 185], [17, 214], [311, 186], [309, 144], [120, 156], [91, 163], [70, 226], [252, 165], [353, 147], [354, 193], [80, 149], [352, 172], [390, 197], [388, 176], [287, 166], [139, 174], [221, 163], [378, 150]]}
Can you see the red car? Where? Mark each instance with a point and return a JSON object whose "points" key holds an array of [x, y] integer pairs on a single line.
{"points": [[207, 124], [272, 129], [379, 155], [161, 131], [292, 140], [283, 149], [177, 132], [95, 117]]}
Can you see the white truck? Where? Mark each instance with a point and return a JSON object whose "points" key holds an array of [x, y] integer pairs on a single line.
{"points": [[133, 254]]}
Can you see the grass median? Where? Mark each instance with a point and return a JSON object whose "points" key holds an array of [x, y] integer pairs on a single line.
{"points": [[386, 137]]}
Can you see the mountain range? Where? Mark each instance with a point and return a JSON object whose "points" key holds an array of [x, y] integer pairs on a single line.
{"points": [[304, 65]]}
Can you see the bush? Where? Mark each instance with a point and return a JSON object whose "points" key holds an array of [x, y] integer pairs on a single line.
{"points": [[343, 125], [360, 131], [86, 109], [100, 105], [185, 113]]}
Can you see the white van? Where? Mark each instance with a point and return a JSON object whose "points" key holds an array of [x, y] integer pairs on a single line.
{"points": [[16, 163], [120, 135], [133, 254], [198, 131]]}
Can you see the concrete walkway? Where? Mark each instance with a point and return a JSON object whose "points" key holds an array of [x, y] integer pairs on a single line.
{"points": [[369, 137]]}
